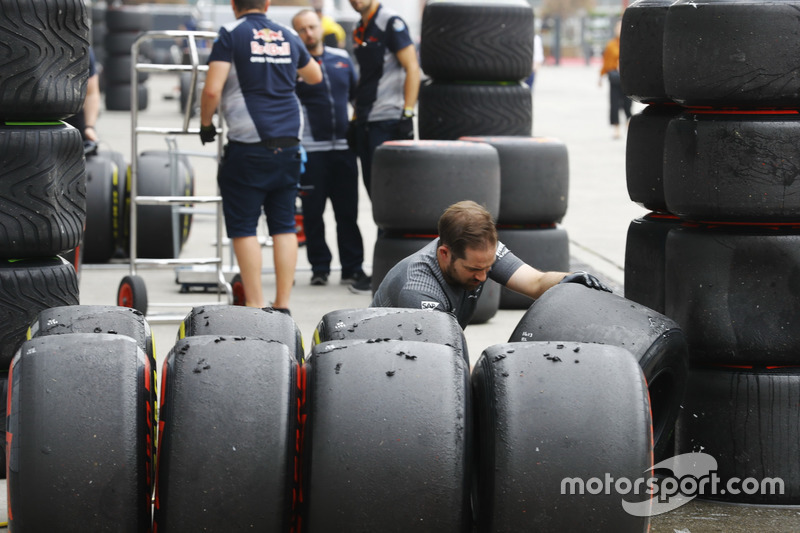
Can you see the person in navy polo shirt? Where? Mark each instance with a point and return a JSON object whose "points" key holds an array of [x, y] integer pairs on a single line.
{"points": [[252, 72], [331, 170]]}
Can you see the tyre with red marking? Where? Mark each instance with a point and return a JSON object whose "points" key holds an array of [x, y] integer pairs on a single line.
{"points": [[132, 292], [534, 178], [76, 432], [733, 290], [228, 439], [388, 438], [42, 189], [728, 53], [646, 259], [235, 320], [572, 312], [546, 412], [456, 43], [383, 323], [746, 419], [45, 59], [641, 51], [27, 286], [415, 181], [545, 248]]}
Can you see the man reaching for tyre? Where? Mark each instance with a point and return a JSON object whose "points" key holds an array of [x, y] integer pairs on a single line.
{"points": [[448, 274]]}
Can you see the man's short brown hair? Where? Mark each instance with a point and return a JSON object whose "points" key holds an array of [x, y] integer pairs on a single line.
{"points": [[247, 5], [466, 224]]}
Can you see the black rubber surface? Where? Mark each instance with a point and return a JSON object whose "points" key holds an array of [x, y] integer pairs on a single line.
{"points": [[415, 181], [80, 434], [228, 437], [118, 97], [42, 189], [456, 43], [546, 412], [388, 441], [641, 54], [99, 240], [237, 320], [571, 312], [132, 292]]}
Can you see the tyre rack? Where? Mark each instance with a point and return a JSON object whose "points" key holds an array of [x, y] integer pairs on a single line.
{"points": [[132, 291]]}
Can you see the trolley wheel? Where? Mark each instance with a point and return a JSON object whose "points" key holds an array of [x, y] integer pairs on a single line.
{"points": [[132, 293], [237, 287]]}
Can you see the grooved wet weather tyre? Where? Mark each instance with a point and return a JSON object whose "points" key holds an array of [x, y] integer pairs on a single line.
{"points": [[546, 412], [132, 292], [571, 312], [733, 167], [79, 423], [415, 181], [237, 320], [545, 248], [44, 76], [641, 54], [383, 323], [735, 293], [728, 53], [42, 189], [534, 178], [388, 438], [456, 45], [448, 111], [229, 434], [26, 287], [746, 419]]}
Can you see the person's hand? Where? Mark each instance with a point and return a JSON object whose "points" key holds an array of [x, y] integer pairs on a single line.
{"points": [[351, 135], [405, 127], [586, 279], [208, 133]]}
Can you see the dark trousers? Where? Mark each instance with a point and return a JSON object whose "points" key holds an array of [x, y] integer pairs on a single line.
{"points": [[370, 135], [332, 174], [618, 98]]}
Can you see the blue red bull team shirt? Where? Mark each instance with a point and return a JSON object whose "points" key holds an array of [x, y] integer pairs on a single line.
{"points": [[259, 100], [379, 95]]}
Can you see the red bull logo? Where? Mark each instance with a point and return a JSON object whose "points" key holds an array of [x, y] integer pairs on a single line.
{"points": [[267, 35]]}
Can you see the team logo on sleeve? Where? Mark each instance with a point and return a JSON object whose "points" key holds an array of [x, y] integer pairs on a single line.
{"points": [[428, 305], [398, 25]]}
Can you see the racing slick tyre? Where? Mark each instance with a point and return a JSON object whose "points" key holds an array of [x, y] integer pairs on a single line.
{"points": [[545, 248], [28, 286], [456, 45], [548, 412], [118, 70], [42, 189], [118, 97], [534, 178], [646, 259], [99, 240], [237, 320], [571, 312], [415, 181], [391, 248], [384, 323], [121, 202], [132, 292], [128, 18], [644, 155], [448, 111], [746, 419], [641, 55], [728, 53], [388, 438], [161, 229], [229, 435], [184, 185], [733, 292], [80, 423], [733, 167], [45, 58]]}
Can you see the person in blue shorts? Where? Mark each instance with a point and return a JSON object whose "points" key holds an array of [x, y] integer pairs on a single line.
{"points": [[252, 72], [331, 170]]}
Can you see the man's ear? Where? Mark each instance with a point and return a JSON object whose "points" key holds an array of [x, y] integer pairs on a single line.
{"points": [[443, 253]]}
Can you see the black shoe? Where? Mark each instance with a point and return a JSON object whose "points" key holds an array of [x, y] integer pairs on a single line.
{"points": [[349, 279], [362, 285], [319, 278], [281, 310]]}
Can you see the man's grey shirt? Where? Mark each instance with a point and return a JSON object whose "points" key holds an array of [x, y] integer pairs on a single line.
{"points": [[417, 282]]}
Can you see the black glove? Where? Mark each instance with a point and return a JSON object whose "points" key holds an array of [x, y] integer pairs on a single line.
{"points": [[351, 136], [208, 133], [585, 279], [405, 128]]}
